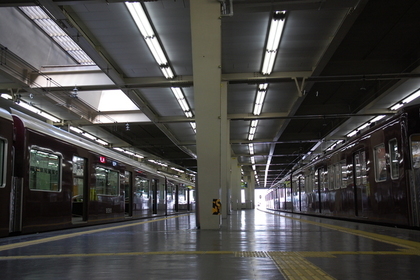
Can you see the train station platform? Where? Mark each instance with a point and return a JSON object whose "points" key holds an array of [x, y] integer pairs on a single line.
{"points": [[252, 244]]}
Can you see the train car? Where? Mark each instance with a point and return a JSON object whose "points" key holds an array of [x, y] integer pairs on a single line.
{"points": [[52, 179], [6, 169], [374, 177]]}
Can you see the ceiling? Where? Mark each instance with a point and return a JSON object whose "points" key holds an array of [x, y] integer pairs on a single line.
{"points": [[340, 63]]}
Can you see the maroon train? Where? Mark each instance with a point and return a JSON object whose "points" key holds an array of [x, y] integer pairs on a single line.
{"points": [[51, 179], [374, 177]]}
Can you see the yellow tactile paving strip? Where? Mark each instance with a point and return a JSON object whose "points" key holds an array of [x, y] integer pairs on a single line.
{"points": [[292, 265]]}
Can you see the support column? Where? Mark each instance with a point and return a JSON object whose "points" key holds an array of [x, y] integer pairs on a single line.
{"points": [[206, 55], [235, 183], [225, 151], [250, 193]]}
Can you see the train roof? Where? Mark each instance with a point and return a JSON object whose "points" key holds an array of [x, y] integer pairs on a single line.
{"points": [[50, 130], [5, 114]]}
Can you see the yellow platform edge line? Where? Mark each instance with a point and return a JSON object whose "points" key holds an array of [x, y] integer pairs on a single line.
{"points": [[71, 235], [374, 236], [248, 254]]}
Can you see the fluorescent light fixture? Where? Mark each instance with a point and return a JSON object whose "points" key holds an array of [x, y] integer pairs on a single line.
{"points": [[138, 156], [396, 106], [119, 149], [193, 126], [77, 130], [49, 117], [28, 107], [89, 136], [102, 142], [252, 130], [411, 97], [259, 100], [176, 169], [48, 25], [363, 126], [252, 160], [158, 163], [351, 134], [167, 72], [251, 148], [377, 118], [6, 96], [406, 100], [142, 21], [35, 110], [366, 124], [156, 50], [139, 16], [274, 36], [92, 137], [179, 95]]}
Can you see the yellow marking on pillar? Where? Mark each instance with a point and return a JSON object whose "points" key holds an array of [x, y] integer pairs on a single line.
{"points": [[217, 207], [71, 235]]}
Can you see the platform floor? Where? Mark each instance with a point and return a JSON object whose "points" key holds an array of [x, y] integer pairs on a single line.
{"points": [[252, 244]]}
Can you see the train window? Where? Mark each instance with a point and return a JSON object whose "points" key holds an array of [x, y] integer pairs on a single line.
{"points": [[302, 184], [337, 177], [360, 168], [107, 182], [394, 157], [78, 178], [343, 174], [308, 181], [142, 187], [44, 171], [323, 178], [363, 167], [331, 177], [380, 163]]}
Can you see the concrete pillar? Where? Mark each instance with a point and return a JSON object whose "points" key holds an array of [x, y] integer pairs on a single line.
{"points": [[235, 183], [225, 150], [209, 108], [250, 192]]}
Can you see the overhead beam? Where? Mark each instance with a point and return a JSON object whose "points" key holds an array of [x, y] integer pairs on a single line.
{"points": [[187, 81]]}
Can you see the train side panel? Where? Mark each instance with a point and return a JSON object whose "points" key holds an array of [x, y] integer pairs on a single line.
{"points": [[375, 177], [67, 181], [6, 159]]}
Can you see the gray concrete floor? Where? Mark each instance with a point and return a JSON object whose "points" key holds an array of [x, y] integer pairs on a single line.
{"points": [[251, 244]]}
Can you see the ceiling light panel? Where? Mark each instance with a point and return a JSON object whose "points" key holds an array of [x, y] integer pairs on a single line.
{"points": [[273, 41], [48, 25], [142, 21]]}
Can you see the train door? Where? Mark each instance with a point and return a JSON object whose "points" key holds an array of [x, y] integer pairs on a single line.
{"points": [[301, 190], [360, 183], [128, 193], [16, 201], [415, 179], [79, 191], [154, 195]]}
